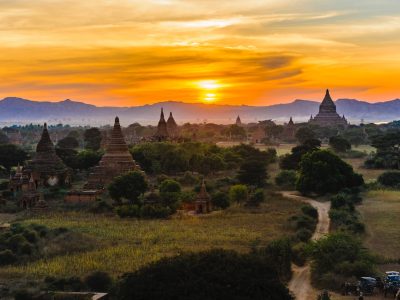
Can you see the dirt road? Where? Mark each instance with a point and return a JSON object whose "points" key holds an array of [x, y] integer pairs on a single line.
{"points": [[300, 285]]}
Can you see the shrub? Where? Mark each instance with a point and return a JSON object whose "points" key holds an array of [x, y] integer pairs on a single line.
{"points": [[101, 206], [155, 211], [128, 186], [310, 211], [16, 241], [256, 198], [286, 178], [7, 257], [220, 200], [98, 281], [170, 192], [390, 178], [299, 255], [31, 236], [304, 235], [238, 193], [128, 210], [215, 274]]}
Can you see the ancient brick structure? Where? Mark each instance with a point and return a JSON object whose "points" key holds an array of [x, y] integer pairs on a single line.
{"points": [[203, 200], [327, 115]]}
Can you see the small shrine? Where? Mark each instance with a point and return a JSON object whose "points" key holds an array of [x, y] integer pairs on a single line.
{"points": [[203, 201]]}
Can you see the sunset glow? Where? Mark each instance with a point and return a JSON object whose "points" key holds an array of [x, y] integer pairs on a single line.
{"points": [[133, 52]]}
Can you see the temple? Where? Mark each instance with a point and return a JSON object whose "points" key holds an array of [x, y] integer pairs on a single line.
{"points": [[162, 131], [327, 115], [46, 168], [203, 200], [172, 127], [116, 161], [238, 121], [289, 131]]}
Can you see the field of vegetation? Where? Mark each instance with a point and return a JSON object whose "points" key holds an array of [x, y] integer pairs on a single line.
{"points": [[128, 244], [380, 212]]}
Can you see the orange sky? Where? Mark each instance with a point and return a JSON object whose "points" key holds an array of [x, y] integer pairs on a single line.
{"points": [[254, 52]]}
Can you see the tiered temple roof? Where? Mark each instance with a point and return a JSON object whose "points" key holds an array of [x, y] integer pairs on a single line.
{"points": [[46, 167], [172, 127], [116, 161], [327, 115], [162, 131]]}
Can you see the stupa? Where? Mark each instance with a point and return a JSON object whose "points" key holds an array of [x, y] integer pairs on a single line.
{"points": [[327, 115], [172, 127], [238, 121], [203, 200], [162, 131], [116, 161], [46, 168]]}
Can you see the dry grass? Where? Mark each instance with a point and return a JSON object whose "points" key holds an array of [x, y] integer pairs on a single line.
{"points": [[381, 213], [127, 245]]}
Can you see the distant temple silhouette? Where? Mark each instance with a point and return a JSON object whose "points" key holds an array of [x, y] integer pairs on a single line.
{"points": [[327, 115]]}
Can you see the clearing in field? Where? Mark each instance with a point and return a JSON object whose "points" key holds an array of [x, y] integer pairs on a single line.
{"points": [[124, 245], [381, 214]]}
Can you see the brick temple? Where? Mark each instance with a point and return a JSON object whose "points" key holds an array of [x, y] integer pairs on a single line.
{"points": [[327, 115], [116, 161]]}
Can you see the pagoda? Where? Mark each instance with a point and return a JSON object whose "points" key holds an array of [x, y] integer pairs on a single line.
{"points": [[238, 121], [162, 131], [289, 130], [327, 115], [116, 161], [203, 200], [172, 127], [46, 168]]}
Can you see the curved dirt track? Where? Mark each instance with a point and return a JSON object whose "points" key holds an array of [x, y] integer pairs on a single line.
{"points": [[300, 285]]}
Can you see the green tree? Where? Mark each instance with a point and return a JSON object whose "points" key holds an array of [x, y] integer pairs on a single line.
{"points": [[339, 144], [322, 171], [3, 138], [286, 178], [238, 193], [304, 133], [170, 193], [68, 142], [291, 161], [11, 155], [220, 200], [214, 274], [252, 172], [128, 186], [92, 138], [390, 178]]}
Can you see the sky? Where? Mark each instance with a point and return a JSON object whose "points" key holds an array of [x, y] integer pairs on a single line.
{"points": [[252, 52]]}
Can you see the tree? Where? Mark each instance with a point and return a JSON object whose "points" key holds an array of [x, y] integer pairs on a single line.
{"points": [[221, 200], [214, 274], [170, 192], [339, 144], [3, 138], [128, 186], [11, 155], [390, 178], [256, 198], [88, 158], [68, 142], [252, 172], [92, 138], [304, 133], [322, 171], [238, 193], [286, 178], [291, 161]]}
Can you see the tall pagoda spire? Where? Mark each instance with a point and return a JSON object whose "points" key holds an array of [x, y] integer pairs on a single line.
{"points": [[162, 132], [45, 144], [172, 127]]}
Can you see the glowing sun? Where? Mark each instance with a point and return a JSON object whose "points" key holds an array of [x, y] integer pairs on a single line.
{"points": [[209, 90]]}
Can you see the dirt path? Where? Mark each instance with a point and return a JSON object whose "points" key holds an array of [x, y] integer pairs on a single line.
{"points": [[5, 218], [300, 285]]}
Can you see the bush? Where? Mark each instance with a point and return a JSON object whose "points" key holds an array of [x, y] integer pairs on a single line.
{"points": [[299, 255], [128, 210], [31, 236], [155, 211], [238, 193], [310, 211], [390, 179], [256, 198], [286, 178], [98, 281], [101, 206], [7, 257], [304, 235], [170, 192], [220, 200], [215, 274]]}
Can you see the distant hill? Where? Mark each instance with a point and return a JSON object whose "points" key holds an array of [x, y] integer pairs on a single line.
{"points": [[21, 111]]}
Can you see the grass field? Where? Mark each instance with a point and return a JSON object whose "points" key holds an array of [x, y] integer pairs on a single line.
{"points": [[381, 214], [127, 244]]}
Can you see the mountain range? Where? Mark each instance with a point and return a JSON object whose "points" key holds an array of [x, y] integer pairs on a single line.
{"points": [[22, 111]]}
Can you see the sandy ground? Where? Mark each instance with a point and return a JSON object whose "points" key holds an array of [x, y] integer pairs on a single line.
{"points": [[5, 218], [300, 285]]}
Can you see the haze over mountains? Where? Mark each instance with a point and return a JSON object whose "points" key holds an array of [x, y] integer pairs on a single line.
{"points": [[21, 111]]}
